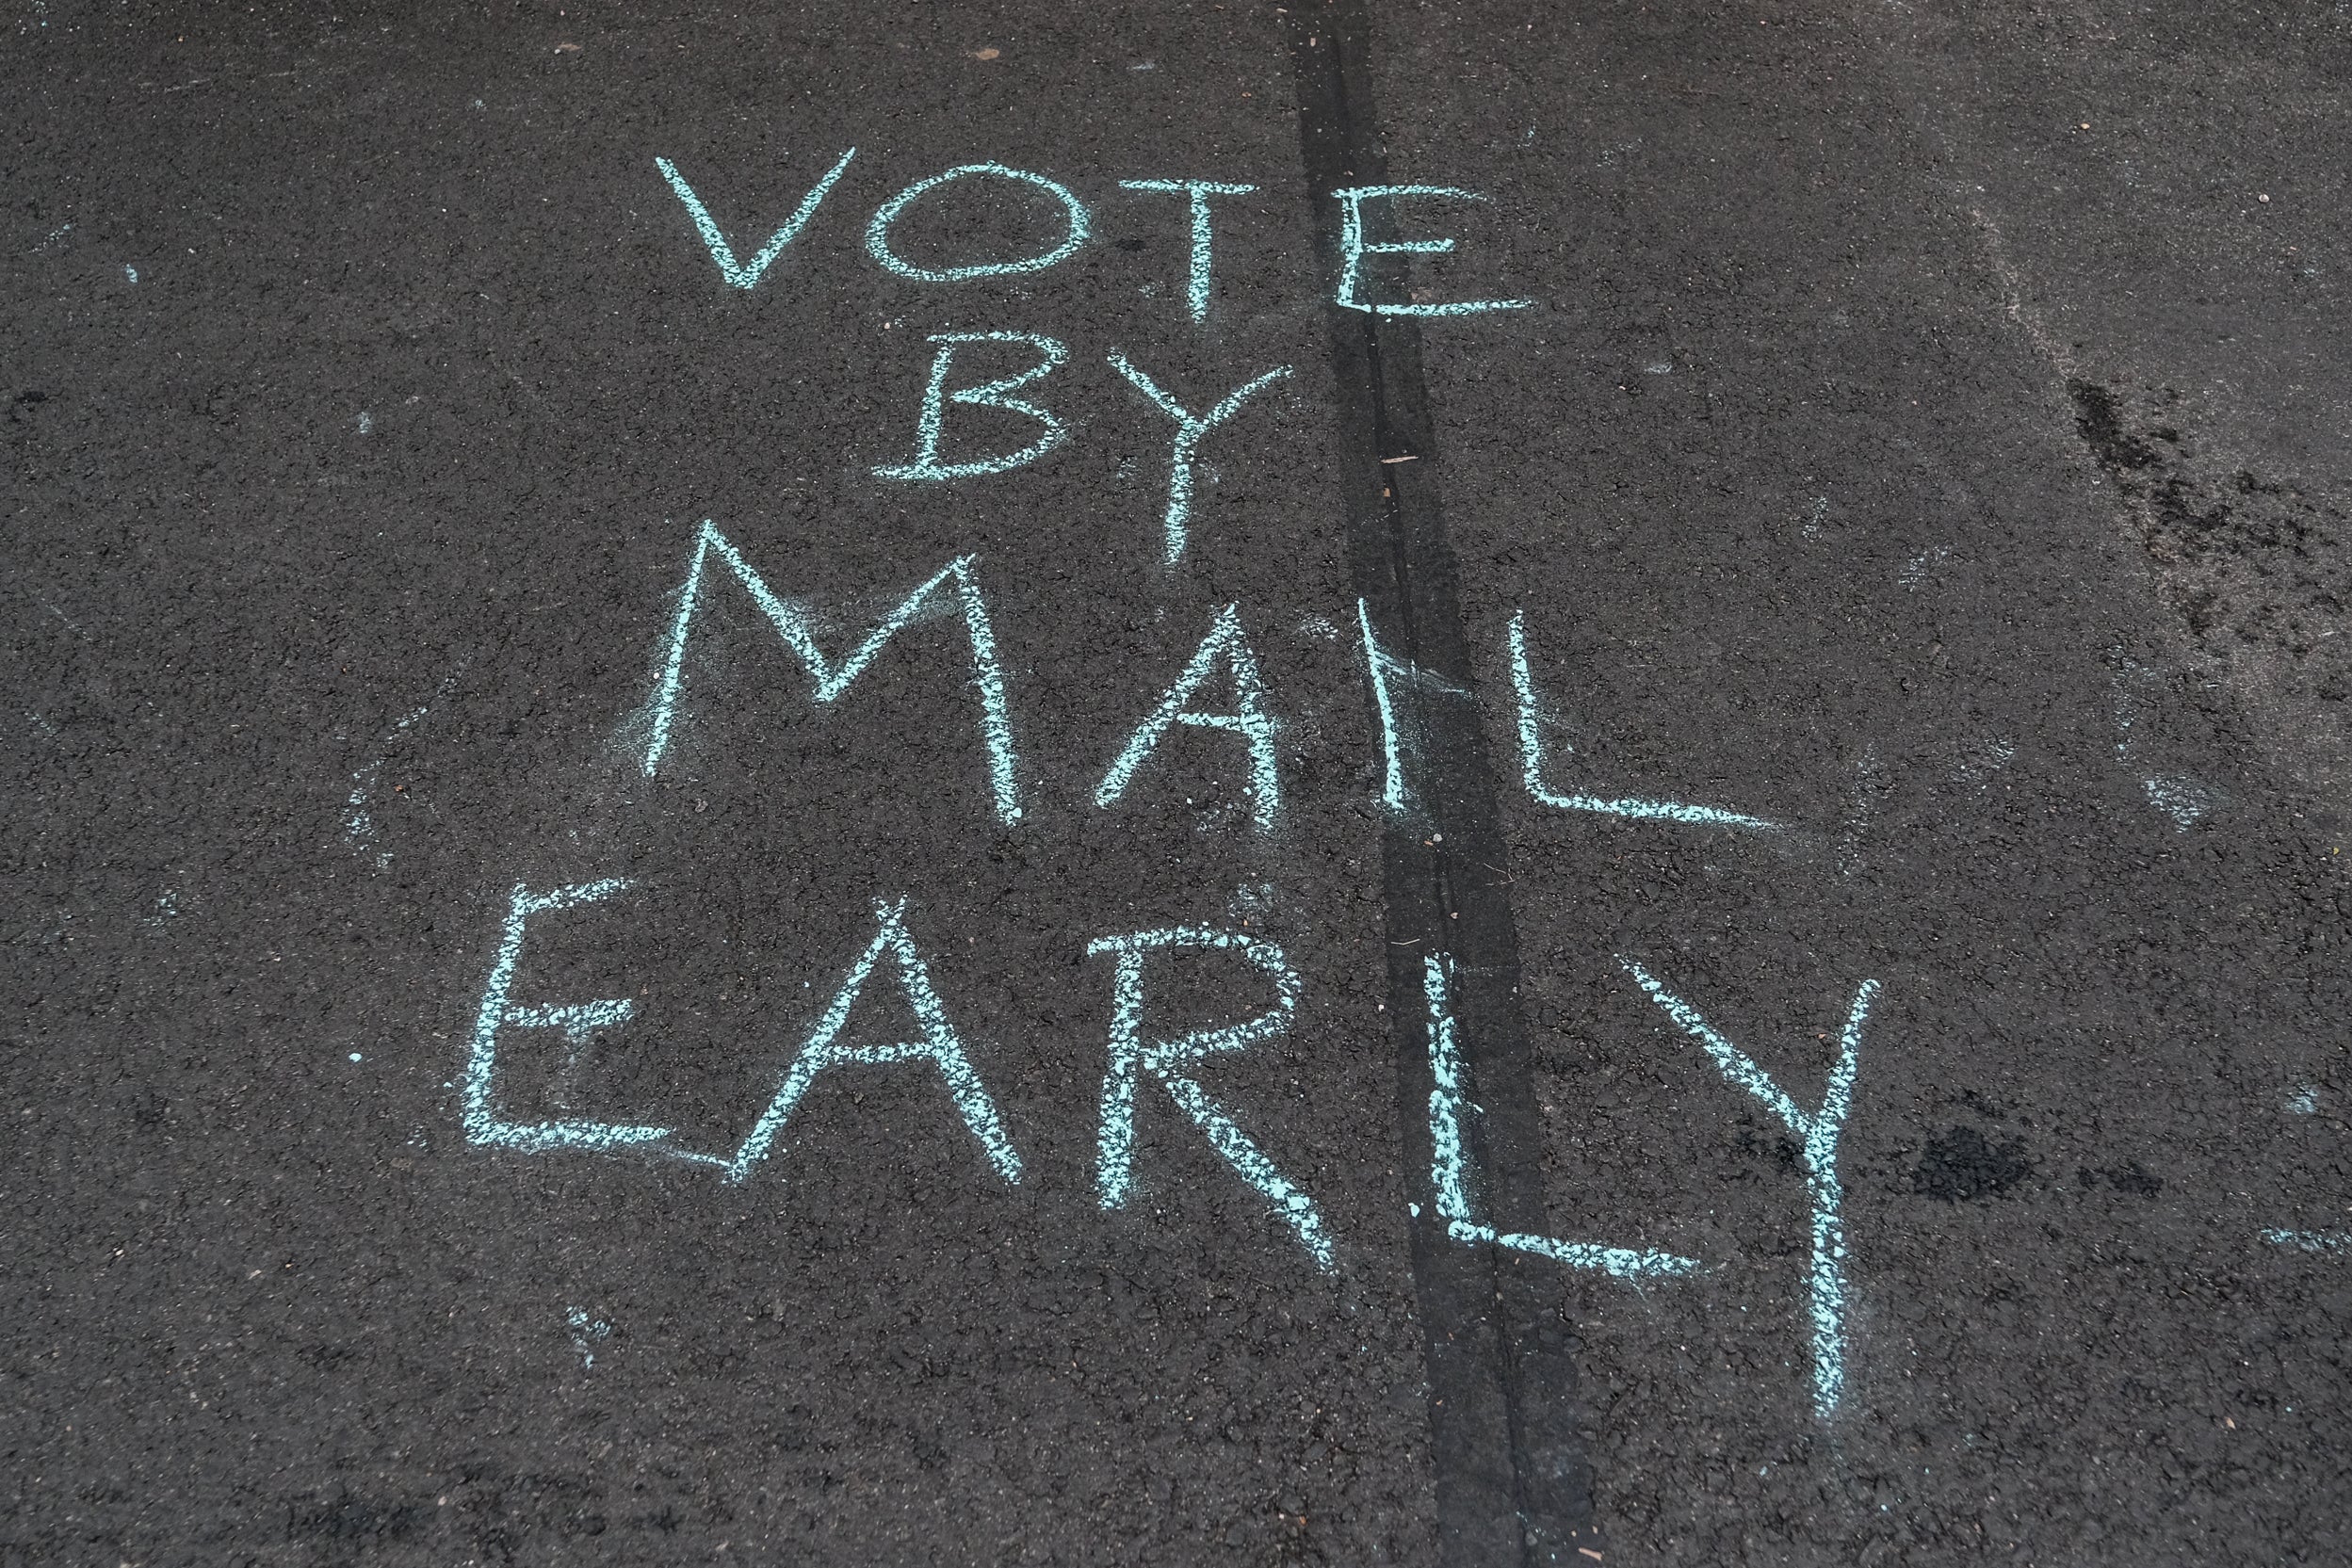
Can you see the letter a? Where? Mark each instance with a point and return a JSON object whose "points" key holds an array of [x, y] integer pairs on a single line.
{"points": [[938, 1045], [1252, 722]]}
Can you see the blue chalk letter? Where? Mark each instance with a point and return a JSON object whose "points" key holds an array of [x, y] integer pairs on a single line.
{"points": [[1817, 1143], [988, 394], [2310, 1241], [741, 274], [1532, 762], [1379, 664], [1189, 429], [939, 1045], [1198, 192], [577, 1020], [1168, 1061], [831, 681], [878, 232], [1252, 722], [1448, 1166], [1353, 248]]}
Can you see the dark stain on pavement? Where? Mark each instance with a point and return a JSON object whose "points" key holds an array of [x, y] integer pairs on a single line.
{"points": [[1962, 1163]]}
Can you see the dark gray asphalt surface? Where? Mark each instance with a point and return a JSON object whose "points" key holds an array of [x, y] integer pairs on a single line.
{"points": [[1928, 433]]}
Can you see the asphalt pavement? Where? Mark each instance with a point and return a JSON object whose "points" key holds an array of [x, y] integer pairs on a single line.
{"points": [[1193, 784]]}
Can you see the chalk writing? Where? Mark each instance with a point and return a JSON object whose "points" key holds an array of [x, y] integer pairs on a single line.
{"points": [[1077, 228], [359, 824], [1916, 570], [2129, 672], [1448, 1166], [878, 232], [2310, 1241], [587, 1333], [2179, 798], [1168, 1061], [1817, 1133], [1198, 193], [1378, 666], [938, 1045], [1225, 643], [831, 680], [1532, 762], [930, 424], [746, 274], [576, 1020], [1189, 429], [1353, 248]]}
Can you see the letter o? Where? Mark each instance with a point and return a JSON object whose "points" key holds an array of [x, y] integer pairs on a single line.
{"points": [[878, 232]]}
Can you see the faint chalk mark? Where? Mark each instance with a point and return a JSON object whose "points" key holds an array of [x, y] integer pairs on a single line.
{"points": [[2129, 672], [359, 823], [2179, 798], [2310, 1241], [1922, 564], [72, 624], [1870, 785], [587, 1333], [1980, 760]]}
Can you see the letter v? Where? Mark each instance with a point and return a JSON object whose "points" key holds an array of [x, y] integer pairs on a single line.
{"points": [[743, 274]]}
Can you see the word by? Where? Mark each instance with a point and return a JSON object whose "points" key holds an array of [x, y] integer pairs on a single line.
{"points": [[929, 465]]}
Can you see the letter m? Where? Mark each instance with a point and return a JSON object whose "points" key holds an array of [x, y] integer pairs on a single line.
{"points": [[831, 680]]}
